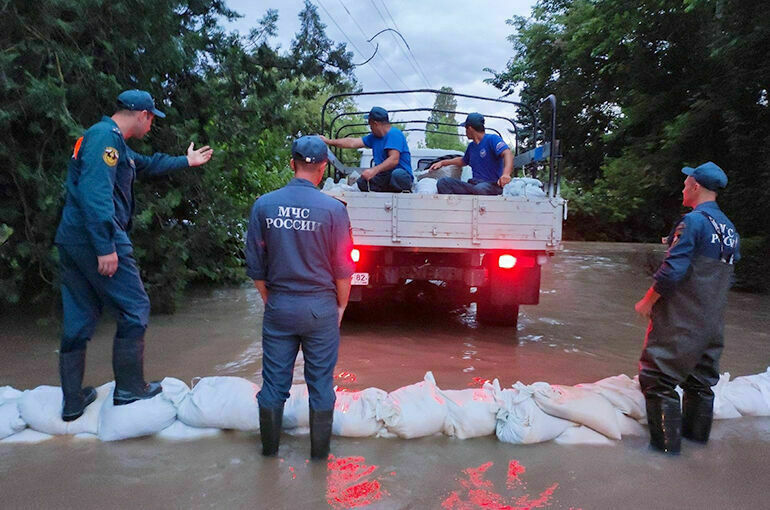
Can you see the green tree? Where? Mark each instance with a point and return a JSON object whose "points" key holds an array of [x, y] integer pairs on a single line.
{"points": [[443, 113], [61, 70]]}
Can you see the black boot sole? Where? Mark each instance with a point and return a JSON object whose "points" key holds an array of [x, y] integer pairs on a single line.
{"points": [[87, 400]]}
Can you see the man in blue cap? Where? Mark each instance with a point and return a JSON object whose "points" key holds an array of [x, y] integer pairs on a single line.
{"points": [[686, 306], [490, 159], [392, 170], [298, 252], [95, 253]]}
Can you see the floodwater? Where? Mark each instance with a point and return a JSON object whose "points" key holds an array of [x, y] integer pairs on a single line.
{"points": [[583, 330]]}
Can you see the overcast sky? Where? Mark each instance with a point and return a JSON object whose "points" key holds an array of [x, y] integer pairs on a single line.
{"points": [[451, 40]]}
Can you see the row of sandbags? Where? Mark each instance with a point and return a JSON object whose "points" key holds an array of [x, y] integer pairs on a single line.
{"points": [[523, 414]]}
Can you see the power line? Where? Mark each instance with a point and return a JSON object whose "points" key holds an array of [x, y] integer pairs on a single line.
{"points": [[352, 43], [419, 67], [383, 58]]}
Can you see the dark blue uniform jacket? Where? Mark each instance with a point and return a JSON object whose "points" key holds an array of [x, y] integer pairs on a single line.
{"points": [[299, 240], [695, 235], [100, 180]]}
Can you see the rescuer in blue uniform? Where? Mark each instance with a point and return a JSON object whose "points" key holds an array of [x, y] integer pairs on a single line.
{"points": [[392, 170], [686, 306], [298, 252], [95, 253], [490, 159]]}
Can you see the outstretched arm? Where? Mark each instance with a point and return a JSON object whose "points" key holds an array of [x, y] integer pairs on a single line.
{"points": [[344, 143], [160, 164]]}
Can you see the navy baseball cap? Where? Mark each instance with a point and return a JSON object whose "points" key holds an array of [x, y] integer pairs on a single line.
{"points": [[708, 175], [310, 149], [138, 100], [378, 114], [474, 120]]}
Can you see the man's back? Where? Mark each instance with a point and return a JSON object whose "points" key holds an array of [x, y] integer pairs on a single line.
{"points": [[302, 239]]}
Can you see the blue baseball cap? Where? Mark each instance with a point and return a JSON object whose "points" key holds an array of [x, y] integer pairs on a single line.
{"points": [[138, 100], [474, 120], [708, 175], [310, 149], [378, 114]]}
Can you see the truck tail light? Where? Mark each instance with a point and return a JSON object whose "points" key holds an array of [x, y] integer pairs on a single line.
{"points": [[355, 255], [506, 261]]}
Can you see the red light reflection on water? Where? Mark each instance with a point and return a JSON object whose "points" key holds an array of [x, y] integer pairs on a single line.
{"points": [[478, 381], [477, 492], [349, 483], [344, 377]]}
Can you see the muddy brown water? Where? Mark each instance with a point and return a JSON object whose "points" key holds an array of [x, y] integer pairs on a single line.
{"points": [[584, 329]]}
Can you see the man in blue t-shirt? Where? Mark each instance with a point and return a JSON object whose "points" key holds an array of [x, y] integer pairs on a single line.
{"points": [[489, 157], [392, 170]]}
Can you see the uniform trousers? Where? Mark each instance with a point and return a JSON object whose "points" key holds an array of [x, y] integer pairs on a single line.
{"points": [[85, 292], [292, 321]]}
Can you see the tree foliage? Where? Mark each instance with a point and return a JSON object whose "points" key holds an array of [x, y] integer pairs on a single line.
{"points": [[60, 70], [645, 87], [442, 119]]}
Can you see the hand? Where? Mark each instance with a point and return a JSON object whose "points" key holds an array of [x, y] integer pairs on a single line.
{"points": [[368, 174], [644, 307], [503, 180], [340, 312], [200, 156], [107, 264], [436, 165]]}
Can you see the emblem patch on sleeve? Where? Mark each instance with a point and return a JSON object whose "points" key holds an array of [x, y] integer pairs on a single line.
{"points": [[677, 234], [110, 156]]}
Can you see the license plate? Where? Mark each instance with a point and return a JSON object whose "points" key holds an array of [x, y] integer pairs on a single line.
{"points": [[359, 279]]}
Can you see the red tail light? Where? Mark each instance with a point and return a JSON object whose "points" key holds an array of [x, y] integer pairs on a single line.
{"points": [[355, 255], [506, 261]]}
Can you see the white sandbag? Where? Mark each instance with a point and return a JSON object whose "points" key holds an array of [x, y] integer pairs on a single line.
{"points": [[629, 426], [578, 405], [622, 392], [521, 421], [723, 407], [331, 186], [472, 412], [27, 436], [41, 409], [296, 411], [140, 418], [222, 403], [8, 393], [426, 186], [583, 435], [355, 413], [416, 410], [179, 431], [10, 418], [750, 394], [523, 186]]}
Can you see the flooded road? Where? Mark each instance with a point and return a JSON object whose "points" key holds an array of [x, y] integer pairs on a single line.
{"points": [[583, 330]]}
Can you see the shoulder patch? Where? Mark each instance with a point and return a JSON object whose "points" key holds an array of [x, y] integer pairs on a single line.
{"points": [[110, 156], [678, 233]]}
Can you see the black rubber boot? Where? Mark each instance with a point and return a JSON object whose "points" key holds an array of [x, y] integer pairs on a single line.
{"points": [[697, 415], [128, 366], [665, 420], [320, 433], [72, 366], [270, 421]]}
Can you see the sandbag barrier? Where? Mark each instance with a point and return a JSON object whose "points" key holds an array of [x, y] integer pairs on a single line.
{"points": [[594, 413]]}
